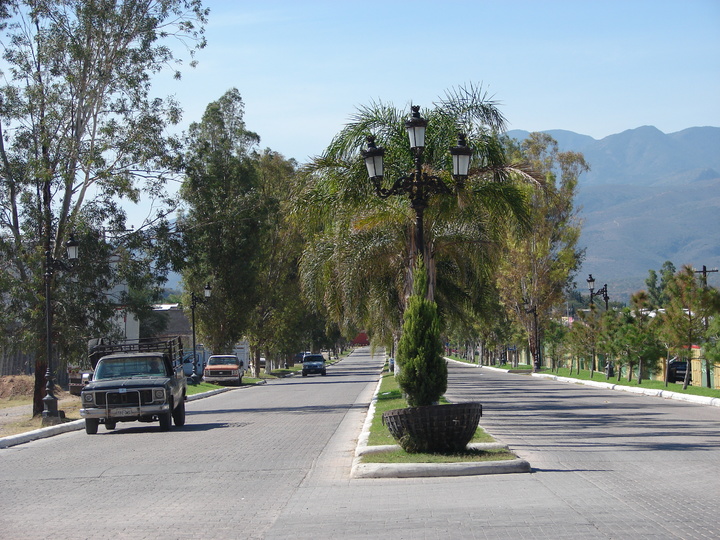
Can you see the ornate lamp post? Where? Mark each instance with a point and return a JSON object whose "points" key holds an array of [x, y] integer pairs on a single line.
{"points": [[418, 185], [603, 291], [50, 414], [536, 354], [195, 301]]}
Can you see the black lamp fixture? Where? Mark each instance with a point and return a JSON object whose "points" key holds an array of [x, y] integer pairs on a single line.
{"points": [[418, 186], [603, 291], [50, 414], [195, 301]]}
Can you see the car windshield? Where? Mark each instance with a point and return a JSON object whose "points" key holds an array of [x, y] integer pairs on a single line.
{"points": [[222, 360], [315, 358], [112, 368]]}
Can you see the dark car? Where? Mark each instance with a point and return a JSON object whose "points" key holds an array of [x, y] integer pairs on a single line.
{"points": [[313, 363], [676, 370]]}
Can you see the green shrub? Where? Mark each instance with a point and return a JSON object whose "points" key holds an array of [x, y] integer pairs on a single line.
{"points": [[423, 371]]}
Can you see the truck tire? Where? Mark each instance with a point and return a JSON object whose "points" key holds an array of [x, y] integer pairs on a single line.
{"points": [[91, 426], [165, 421], [179, 414]]}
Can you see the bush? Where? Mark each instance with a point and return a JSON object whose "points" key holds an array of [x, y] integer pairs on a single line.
{"points": [[423, 371]]}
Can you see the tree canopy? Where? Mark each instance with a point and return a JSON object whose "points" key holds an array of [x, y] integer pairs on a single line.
{"points": [[79, 132], [357, 264]]}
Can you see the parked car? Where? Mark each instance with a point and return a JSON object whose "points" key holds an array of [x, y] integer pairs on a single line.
{"points": [[313, 363], [676, 370], [224, 368]]}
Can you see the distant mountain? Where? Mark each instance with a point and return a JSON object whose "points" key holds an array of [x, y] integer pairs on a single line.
{"points": [[649, 197]]}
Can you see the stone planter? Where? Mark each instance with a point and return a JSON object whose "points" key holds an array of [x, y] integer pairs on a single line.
{"points": [[434, 428]]}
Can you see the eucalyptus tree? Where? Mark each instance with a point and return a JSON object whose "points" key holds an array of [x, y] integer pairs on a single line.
{"points": [[537, 268], [280, 323], [79, 131], [220, 230], [357, 266]]}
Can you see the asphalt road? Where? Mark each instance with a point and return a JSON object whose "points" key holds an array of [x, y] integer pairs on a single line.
{"points": [[274, 462]]}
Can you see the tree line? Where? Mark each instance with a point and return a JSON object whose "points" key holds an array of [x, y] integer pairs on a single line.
{"points": [[666, 321], [298, 255]]}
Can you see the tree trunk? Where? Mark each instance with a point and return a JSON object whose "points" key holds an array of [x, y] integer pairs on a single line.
{"points": [[39, 390]]}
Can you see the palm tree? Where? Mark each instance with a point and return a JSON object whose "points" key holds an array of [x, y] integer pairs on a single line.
{"points": [[358, 263]]}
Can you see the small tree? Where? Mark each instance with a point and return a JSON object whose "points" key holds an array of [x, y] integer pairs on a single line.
{"points": [[423, 372], [555, 342], [682, 323]]}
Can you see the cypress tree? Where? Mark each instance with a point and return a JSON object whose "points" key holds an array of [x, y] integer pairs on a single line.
{"points": [[423, 371]]}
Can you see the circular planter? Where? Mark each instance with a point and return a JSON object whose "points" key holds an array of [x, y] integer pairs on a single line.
{"points": [[434, 428]]}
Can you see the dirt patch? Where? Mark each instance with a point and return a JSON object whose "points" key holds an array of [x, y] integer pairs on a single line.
{"points": [[19, 387], [16, 393], [16, 386]]}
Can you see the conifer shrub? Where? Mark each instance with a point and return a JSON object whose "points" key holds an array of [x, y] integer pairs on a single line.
{"points": [[423, 371]]}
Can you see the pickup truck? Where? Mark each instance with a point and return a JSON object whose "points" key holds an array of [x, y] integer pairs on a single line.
{"points": [[141, 380]]}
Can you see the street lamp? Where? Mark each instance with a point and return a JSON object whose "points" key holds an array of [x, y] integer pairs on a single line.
{"points": [[603, 291], [536, 354], [50, 414], [418, 185], [195, 301]]}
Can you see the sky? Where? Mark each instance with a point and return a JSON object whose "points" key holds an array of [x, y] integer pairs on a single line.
{"points": [[303, 67]]}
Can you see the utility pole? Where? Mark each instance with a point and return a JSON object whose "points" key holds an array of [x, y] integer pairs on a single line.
{"points": [[704, 273]]}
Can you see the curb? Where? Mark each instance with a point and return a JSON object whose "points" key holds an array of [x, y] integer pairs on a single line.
{"points": [[76, 425], [652, 392], [41, 433], [432, 470], [425, 470]]}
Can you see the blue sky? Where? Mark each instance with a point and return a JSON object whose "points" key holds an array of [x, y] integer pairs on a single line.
{"points": [[593, 67]]}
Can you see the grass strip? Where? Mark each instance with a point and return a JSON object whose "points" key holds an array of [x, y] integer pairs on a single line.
{"points": [[469, 455], [390, 397]]}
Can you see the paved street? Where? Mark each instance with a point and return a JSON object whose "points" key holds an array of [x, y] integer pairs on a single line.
{"points": [[274, 462]]}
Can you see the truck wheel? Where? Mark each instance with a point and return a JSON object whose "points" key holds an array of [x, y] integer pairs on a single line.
{"points": [[110, 424], [165, 421], [91, 425], [240, 380], [179, 414]]}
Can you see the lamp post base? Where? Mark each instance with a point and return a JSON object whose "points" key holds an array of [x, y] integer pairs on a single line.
{"points": [[51, 416]]}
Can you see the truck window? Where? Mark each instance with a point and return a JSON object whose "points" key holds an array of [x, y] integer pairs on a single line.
{"points": [[111, 368]]}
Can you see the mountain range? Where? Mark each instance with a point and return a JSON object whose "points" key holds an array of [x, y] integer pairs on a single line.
{"points": [[649, 197]]}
